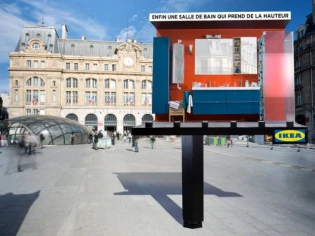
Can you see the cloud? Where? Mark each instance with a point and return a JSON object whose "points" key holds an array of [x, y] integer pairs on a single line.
{"points": [[79, 22], [146, 33], [134, 17], [10, 32], [178, 5], [129, 32], [10, 8]]}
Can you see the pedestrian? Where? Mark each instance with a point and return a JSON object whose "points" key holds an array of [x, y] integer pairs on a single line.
{"points": [[136, 138], [228, 141], [27, 144], [113, 139], [95, 142], [41, 139], [72, 138], [152, 141], [129, 136], [90, 138]]}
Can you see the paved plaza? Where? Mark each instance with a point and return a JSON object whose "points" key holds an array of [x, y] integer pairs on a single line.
{"points": [[74, 190]]}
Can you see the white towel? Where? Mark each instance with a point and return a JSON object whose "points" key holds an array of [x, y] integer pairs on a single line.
{"points": [[190, 104]]}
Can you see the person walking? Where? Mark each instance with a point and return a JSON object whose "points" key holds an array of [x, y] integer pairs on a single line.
{"points": [[72, 138], [136, 138], [95, 141], [152, 141], [41, 139]]}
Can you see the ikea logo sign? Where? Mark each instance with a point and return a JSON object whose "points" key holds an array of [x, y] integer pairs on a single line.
{"points": [[290, 136]]}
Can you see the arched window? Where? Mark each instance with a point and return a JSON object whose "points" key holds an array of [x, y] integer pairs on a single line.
{"points": [[147, 118], [91, 121], [146, 84], [29, 82], [110, 83], [68, 83], [71, 81], [110, 122], [75, 83], [129, 121], [91, 83], [42, 83], [129, 84], [72, 117]]}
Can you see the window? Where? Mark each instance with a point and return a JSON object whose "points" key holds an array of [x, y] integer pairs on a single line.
{"points": [[67, 66], [42, 83], [29, 82], [35, 46], [113, 67], [76, 66], [149, 85], [68, 83], [54, 83], [144, 84], [88, 83], [110, 97], [299, 99], [150, 69], [129, 98], [95, 67], [29, 63], [35, 81], [42, 64], [35, 64], [28, 96], [91, 97], [54, 96], [68, 97], [35, 97], [129, 84], [16, 83], [75, 83], [142, 68], [110, 83], [125, 84], [94, 83], [87, 66], [298, 80], [75, 97], [42, 96], [35, 112], [106, 67], [28, 112], [16, 95], [146, 98]]}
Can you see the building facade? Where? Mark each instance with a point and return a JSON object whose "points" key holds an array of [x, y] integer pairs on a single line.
{"points": [[304, 53], [102, 85]]}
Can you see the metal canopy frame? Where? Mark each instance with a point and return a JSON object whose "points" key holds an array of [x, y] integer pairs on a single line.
{"points": [[192, 154]]}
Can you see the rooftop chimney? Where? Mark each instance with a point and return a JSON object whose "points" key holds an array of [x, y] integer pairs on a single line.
{"points": [[64, 31], [117, 39], [83, 37], [134, 41]]}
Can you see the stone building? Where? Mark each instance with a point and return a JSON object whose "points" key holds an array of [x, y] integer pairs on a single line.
{"points": [[304, 59], [105, 85]]}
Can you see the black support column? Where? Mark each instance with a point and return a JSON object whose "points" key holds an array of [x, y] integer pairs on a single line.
{"points": [[192, 180]]}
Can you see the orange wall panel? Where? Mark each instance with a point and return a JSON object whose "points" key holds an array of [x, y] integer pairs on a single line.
{"points": [[188, 36]]}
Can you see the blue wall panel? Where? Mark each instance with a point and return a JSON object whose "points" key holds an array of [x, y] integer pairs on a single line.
{"points": [[226, 102], [161, 75]]}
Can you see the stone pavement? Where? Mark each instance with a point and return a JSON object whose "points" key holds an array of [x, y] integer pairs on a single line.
{"points": [[79, 191]]}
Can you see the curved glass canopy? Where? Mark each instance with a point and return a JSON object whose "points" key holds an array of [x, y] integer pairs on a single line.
{"points": [[57, 130]]}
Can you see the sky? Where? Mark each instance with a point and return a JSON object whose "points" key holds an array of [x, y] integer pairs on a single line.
{"points": [[105, 20]]}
